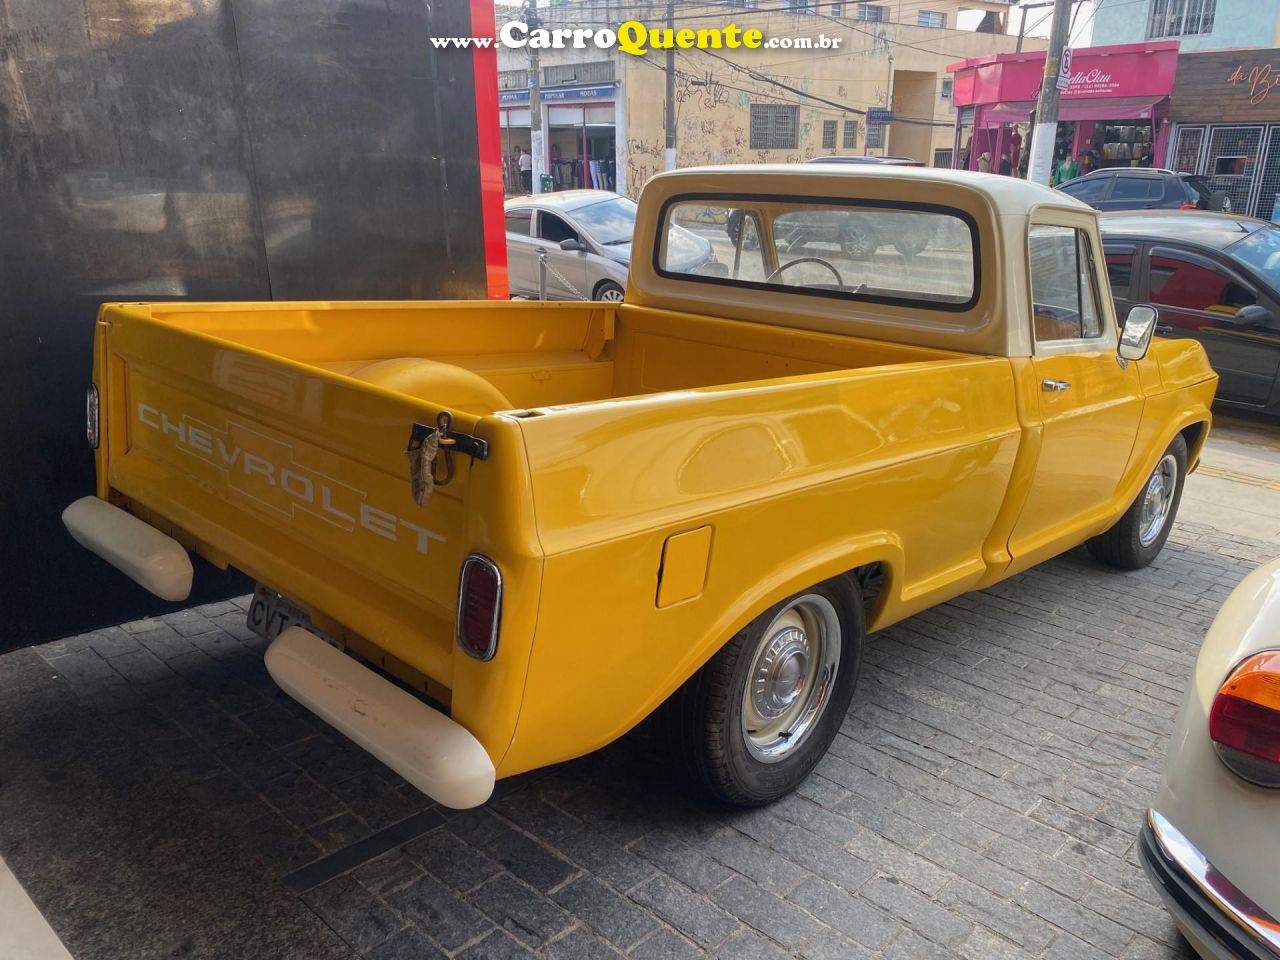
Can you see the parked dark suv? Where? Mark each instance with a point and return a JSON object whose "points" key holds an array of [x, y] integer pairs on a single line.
{"points": [[1135, 188]]}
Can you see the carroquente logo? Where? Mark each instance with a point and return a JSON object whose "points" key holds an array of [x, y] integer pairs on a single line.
{"points": [[637, 39]]}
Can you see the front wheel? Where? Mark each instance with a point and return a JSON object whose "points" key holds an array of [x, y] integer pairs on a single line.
{"points": [[757, 718], [609, 292], [1138, 536]]}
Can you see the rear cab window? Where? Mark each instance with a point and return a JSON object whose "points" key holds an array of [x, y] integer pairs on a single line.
{"points": [[852, 250]]}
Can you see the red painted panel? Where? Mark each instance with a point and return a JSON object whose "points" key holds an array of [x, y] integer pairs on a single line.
{"points": [[489, 140]]}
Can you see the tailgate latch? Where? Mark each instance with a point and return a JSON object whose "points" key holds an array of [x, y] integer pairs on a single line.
{"points": [[428, 446]]}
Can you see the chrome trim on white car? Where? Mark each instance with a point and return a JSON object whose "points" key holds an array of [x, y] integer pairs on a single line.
{"points": [[1252, 921]]}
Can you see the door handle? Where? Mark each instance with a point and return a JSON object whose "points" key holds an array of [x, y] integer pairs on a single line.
{"points": [[1054, 386]]}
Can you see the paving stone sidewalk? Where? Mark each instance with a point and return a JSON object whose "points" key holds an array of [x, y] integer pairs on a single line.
{"points": [[981, 800]]}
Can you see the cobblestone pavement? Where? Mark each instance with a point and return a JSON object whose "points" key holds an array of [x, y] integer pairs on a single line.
{"points": [[980, 802]]}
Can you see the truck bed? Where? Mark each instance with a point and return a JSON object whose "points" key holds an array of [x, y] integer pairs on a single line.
{"points": [[274, 436]]}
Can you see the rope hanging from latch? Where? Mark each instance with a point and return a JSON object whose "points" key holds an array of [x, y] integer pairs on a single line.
{"points": [[423, 452]]}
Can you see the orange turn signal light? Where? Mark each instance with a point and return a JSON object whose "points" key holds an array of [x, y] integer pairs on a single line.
{"points": [[1244, 721]]}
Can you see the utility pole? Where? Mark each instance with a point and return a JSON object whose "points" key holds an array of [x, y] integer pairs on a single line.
{"points": [[669, 155], [537, 145], [1044, 133]]}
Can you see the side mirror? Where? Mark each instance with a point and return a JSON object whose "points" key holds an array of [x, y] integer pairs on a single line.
{"points": [[571, 244], [1254, 315], [1135, 334]]}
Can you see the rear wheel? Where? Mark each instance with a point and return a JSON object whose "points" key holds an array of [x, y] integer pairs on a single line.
{"points": [[1138, 537], [757, 718]]}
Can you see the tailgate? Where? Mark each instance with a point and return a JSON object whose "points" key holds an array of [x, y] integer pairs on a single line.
{"points": [[295, 475]]}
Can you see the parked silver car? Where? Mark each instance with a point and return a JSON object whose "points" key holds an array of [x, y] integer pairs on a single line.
{"points": [[587, 238]]}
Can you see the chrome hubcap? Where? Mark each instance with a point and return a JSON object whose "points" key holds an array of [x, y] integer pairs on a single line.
{"points": [[792, 674], [1157, 499]]}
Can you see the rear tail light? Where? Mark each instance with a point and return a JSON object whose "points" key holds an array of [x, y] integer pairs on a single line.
{"points": [[91, 415], [1244, 721], [1188, 206], [479, 607]]}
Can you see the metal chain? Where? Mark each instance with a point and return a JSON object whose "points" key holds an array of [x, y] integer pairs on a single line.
{"points": [[562, 278]]}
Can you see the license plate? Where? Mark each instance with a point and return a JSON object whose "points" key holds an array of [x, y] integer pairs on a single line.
{"points": [[271, 614]]}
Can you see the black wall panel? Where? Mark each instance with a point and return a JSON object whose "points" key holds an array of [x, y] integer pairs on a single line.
{"points": [[202, 149]]}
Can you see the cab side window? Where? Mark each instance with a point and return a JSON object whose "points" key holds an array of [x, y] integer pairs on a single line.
{"points": [[551, 227], [1087, 188], [1063, 287], [1120, 258]]}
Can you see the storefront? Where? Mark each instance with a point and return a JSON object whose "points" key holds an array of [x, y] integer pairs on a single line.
{"points": [[1114, 112], [583, 126], [1226, 126]]}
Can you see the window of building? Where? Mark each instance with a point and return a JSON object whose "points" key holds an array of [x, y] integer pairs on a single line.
{"points": [[850, 134], [800, 6], [942, 159], [828, 134], [1064, 303], [931, 18], [948, 88], [872, 12], [773, 126], [875, 135], [837, 9], [1180, 18]]}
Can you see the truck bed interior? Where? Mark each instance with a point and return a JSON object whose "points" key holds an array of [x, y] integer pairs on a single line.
{"points": [[483, 357]]}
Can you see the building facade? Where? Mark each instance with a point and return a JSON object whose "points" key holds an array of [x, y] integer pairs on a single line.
{"points": [[884, 90], [1225, 118], [1114, 112], [1196, 24]]}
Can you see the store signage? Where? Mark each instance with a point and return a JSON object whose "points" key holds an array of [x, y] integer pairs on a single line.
{"points": [[1258, 81], [603, 91], [879, 116], [1064, 70]]}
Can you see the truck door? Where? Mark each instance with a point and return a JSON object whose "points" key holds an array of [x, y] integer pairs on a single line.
{"points": [[1089, 404]]}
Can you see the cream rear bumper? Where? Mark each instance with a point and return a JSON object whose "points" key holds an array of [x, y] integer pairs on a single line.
{"points": [[140, 551], [438, 756]]}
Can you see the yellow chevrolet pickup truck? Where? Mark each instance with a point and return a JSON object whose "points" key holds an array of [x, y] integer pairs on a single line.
{"points": [[495, 536]]}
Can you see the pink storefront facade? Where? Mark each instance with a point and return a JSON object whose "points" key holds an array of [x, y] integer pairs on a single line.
{"points": [[1114, 112]]}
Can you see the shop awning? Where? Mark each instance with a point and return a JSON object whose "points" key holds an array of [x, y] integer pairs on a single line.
{"points": [[1101, 108]]}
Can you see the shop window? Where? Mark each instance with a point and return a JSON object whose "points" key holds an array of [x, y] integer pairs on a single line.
{"points": [[875, 135], [942, 159], [773, 126], [931, 18], [1186, 152], [1180, 18], [519, 222], [948, 88], [850, 134], [1137, 188], [1188, 282], [551, 227], [872, 13], [828, 134], [1119, 258], [1064, 303]]}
